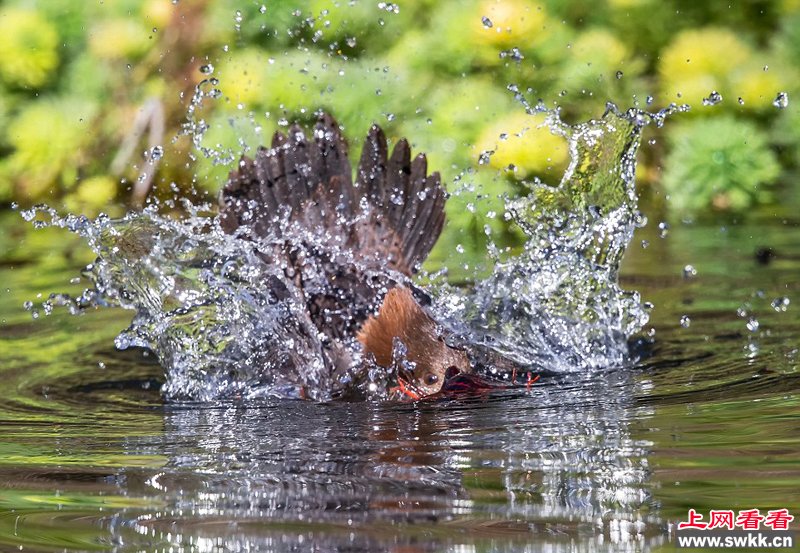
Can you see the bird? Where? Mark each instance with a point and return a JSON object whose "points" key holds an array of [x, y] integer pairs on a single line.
{"points": [[348, 249]]}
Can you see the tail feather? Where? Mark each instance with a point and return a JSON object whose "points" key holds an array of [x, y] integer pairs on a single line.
{"points": [[371, 174], [267, 172], [392, 214], [426, 223], [243, 193], [398, 172], [332, 164]]}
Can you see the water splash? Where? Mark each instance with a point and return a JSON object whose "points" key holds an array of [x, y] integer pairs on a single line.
{"points": [[558, 305], [224, 322]]}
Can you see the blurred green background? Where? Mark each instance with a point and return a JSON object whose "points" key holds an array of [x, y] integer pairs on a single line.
{"points": [[95, 96]]}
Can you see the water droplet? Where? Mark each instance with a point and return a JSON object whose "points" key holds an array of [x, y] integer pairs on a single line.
{"points": [[101, 365], [741, 101], [390, 7], [689, 271], [713, 99], [752, 324], [645, 243], [207, 69], [262, 9], [619, 75], [780, 304], [514, 53], [781, 101], [663, 229], [156, 153], [487, 23], [459, 248], [685, 321]]}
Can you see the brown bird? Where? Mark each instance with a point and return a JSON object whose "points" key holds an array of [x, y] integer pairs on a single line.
{"points": [[347, 249]]}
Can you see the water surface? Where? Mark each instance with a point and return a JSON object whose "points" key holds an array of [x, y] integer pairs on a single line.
{"points": [[92, 458]]}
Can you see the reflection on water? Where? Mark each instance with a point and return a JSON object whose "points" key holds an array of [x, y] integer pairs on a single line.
{"points": [[555, 463], [554, 457], [92, 459]]}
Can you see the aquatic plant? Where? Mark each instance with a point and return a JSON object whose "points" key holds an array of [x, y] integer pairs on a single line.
{"points": [[48, 140], [720, 162], [157, 13], [119, 38], [93, 195], [700, 61], [245, 81], [596, 57], [29, 55], [756, 84], [435, 70], [525, 146], [510, 23]]}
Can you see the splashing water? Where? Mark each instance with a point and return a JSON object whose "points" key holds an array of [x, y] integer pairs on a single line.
{"points": [[213, 310], [558, 304]]}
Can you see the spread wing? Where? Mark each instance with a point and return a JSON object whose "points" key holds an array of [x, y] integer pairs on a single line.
{"points": [[389, 217]]}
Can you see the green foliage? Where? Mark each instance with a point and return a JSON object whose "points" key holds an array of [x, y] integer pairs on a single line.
{"points": [[48, 139], [722, 162], [92, 195], [118, 39], [29, 54], [74, 77], [525, 146], [230, 135]]}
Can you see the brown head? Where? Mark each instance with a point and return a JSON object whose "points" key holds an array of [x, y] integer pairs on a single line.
{"points": [[402, 317]]}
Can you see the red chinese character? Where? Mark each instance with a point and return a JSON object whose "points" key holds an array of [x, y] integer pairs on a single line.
{"points": [[778, 520], [721, 519], [693, 522], [749, 519]]}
